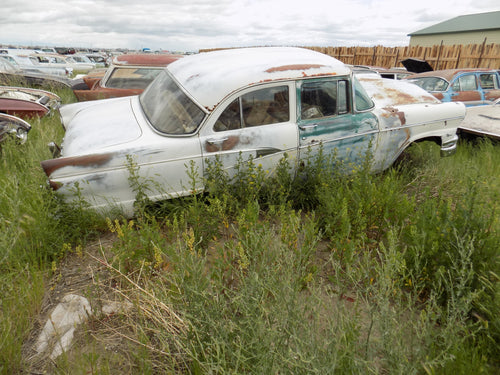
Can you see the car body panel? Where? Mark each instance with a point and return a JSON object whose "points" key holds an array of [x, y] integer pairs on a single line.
{"points": [[264, 90], [482, 120], [47, 98], [22, 108], [470, 86], [266, 144]]}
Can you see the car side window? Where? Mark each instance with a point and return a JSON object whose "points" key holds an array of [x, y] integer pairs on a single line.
{"points": [[488, 81], [362, 100], [323, 99], [261, 107], [465, 83], [230, 119]]}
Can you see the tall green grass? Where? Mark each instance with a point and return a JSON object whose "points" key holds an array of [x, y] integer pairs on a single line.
{"points": [[34, 228], [321, 273]]}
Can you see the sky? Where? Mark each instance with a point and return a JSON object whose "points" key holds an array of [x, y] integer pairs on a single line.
{"points": [[190, 25]]}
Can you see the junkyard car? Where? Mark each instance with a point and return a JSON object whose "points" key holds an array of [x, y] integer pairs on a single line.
{"points": [[26, 102], [10, 75], [128, 75], [482, 120], [471, 86], [13, 126], [259, 103]]}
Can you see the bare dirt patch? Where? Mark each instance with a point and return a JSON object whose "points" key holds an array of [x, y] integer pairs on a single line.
{"points": [[102, 335]]}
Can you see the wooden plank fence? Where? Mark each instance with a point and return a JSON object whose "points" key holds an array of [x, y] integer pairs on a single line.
{"points": [[438, 56]]}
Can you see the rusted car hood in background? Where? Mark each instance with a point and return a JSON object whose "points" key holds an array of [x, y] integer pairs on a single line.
{"points": [[89, 132], [416, 65]]}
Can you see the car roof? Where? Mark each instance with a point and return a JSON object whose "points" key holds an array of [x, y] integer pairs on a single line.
{"points": [[146, 59], [448, 74], [210, 76]]}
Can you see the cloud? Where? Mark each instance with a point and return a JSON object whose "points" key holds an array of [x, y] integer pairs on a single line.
{"points": [[187, 25]]}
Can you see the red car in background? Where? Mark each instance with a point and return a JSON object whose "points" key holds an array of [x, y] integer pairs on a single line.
{"points": [[128, 75], [27, 102]]}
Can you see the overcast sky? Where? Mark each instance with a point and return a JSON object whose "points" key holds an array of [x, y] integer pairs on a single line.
{"points": [[190, 25]]}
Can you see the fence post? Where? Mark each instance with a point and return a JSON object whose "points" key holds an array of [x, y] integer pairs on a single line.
{"points": [[439, 54], [481, 54], [458, 57]]}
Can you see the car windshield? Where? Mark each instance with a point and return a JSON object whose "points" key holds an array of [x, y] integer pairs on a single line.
{"points": [[168, 108], [431, 83]]}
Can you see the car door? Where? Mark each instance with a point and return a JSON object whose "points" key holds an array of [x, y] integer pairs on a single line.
{"points": [[464, 88], [328, 121], [254, 124], [490, 86]]}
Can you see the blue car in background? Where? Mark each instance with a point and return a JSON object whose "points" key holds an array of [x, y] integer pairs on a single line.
{"points": [[470, 86]]}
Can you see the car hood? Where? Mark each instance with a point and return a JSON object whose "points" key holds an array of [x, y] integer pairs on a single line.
{"points": [[99, 125], [416, 65]]}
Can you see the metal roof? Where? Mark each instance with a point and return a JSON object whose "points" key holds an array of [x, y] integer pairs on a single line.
{"points": [[470, 22], [211, 76]]}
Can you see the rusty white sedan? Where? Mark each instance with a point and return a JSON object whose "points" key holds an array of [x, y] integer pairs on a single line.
{"points": [[259, 103]]}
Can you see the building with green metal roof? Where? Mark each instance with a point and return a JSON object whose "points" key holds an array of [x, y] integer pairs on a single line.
{"points": [[467, 29]]}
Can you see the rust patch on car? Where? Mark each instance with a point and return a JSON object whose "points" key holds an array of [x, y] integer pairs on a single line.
{"points": [[54, 185], [394, 112], [467, 96], [284, 68], [49, 166], [492, 95], [398, 97], [225, 145]]}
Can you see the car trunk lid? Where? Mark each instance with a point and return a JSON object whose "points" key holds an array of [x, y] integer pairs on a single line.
{"points": [[98, 126]]}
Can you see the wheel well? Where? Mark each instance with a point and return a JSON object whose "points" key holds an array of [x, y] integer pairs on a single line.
{"points": [[436, 140], [405, 158]]}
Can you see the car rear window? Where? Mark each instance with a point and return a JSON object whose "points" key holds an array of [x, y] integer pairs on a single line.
{"points": [[131, 78], [431, 83]]}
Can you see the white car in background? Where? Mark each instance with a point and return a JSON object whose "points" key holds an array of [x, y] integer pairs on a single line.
{"points": [[66, 62], [260, 103], [29, 64]]}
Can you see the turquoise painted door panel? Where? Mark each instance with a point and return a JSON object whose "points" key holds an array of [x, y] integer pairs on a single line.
{"points": [[327, 122]]}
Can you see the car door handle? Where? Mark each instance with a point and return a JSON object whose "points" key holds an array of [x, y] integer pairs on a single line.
{"points": [[216, 141], [308, 126]]}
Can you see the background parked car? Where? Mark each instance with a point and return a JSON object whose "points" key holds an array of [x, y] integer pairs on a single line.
{"points": [[13, 126], [10, 75], [27, 102], [482, 120], [471, 86], [127, 75], [29, 64]]}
